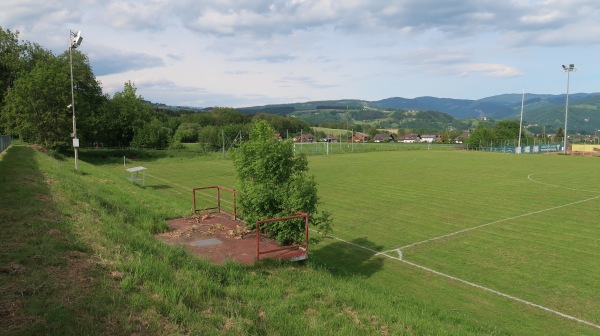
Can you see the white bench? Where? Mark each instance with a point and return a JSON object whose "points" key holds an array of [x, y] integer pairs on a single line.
{"points": [[134, 174]]}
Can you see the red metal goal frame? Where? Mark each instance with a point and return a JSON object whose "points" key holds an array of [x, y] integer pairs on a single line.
{"points": [[292, 247], [218, 207]]}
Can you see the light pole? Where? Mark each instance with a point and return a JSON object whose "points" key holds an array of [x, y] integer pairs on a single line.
{"points": [[521, 123], [74, 42], [568, 70]]}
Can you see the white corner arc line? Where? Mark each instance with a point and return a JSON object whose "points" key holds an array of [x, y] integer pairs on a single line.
{"points": [[529, 177], [490, 223]]}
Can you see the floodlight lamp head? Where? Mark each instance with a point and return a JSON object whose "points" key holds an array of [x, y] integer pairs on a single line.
{"points": [[571, 66], [564, 67], [76, 40], [70, 105]]}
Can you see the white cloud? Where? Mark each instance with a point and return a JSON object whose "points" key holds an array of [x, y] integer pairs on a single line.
{"points": [[491, 70], [248, 50]]}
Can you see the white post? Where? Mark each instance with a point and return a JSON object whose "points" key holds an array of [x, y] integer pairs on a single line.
{"points": [[568, 70], [75, 148], [223, 141], [521, 124]]}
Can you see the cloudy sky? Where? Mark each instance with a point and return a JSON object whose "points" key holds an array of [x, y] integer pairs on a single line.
{"points": [[254, 52]]}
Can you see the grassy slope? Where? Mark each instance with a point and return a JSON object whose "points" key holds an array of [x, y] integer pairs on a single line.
{"points": [[78, 257]]}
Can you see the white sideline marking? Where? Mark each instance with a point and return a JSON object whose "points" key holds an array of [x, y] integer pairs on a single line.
{"points": [[186, 188], [487, 224], [570, 317], [557, 186], [173, 183], [350, 243], [472, 284]]}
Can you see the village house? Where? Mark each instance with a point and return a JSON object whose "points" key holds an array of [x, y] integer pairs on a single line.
{"points": [[430, 138], [359, 137], [384, 138], [411, 138], [304, 138], [462, 137]]}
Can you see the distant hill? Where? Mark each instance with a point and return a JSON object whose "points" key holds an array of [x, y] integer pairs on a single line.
{"points": [[458, 108], [545, 110], [584, 114], [284, 109]]}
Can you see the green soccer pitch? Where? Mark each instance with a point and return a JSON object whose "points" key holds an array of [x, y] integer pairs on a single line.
{"points": [[508, 238]]}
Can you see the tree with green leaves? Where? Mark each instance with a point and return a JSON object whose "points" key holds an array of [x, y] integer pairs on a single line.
{"points": [[482, 136], [506, 130], [123, 114], [38, 92], [273, 181], [36, 106], [151, 135], [10, 60]]}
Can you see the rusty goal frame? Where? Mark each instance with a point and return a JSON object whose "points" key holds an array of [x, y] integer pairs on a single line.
{"points": [[219, 208], [303, 246]]}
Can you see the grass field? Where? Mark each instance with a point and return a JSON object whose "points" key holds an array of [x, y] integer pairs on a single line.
{"points": [[426, 242], [535, 236]]}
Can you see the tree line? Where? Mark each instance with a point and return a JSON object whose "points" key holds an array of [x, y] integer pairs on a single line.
{"points": [[35, 98]]}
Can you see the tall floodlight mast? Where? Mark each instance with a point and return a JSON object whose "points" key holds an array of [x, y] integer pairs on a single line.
{"points": [[568, 70], [521, 123], [74, 42]]}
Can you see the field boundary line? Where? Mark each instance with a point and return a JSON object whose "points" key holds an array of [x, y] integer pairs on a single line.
{"points": [[508, 296], [529, 177], [472, 284], [399, 249], [350, 243], [186, 188], [173, 183]]}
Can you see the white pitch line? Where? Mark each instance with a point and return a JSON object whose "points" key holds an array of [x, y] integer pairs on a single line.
{"points": [[186, 188], [472, 284], [529, 177], [173, 183], [570, 317], [350, 243], [490, 223]]}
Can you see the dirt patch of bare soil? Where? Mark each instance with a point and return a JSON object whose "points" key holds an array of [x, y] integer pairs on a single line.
{"points": [[220, 238], [38, 147]]}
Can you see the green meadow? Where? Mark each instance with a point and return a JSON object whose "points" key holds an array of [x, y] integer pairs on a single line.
{"points": [[421, 240]]}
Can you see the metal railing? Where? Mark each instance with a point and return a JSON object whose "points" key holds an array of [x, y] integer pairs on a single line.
{"points": [[218, 206], [5, 141], [303, 245]]}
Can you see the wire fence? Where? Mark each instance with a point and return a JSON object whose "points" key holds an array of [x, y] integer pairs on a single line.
{"points": [[328, 148], [5, 141]]}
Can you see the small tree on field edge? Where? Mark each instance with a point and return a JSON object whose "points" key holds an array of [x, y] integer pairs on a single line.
{"points": [[272, 181]]}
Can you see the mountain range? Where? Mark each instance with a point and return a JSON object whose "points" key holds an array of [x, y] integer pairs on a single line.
{"points": [[539, 110]]}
